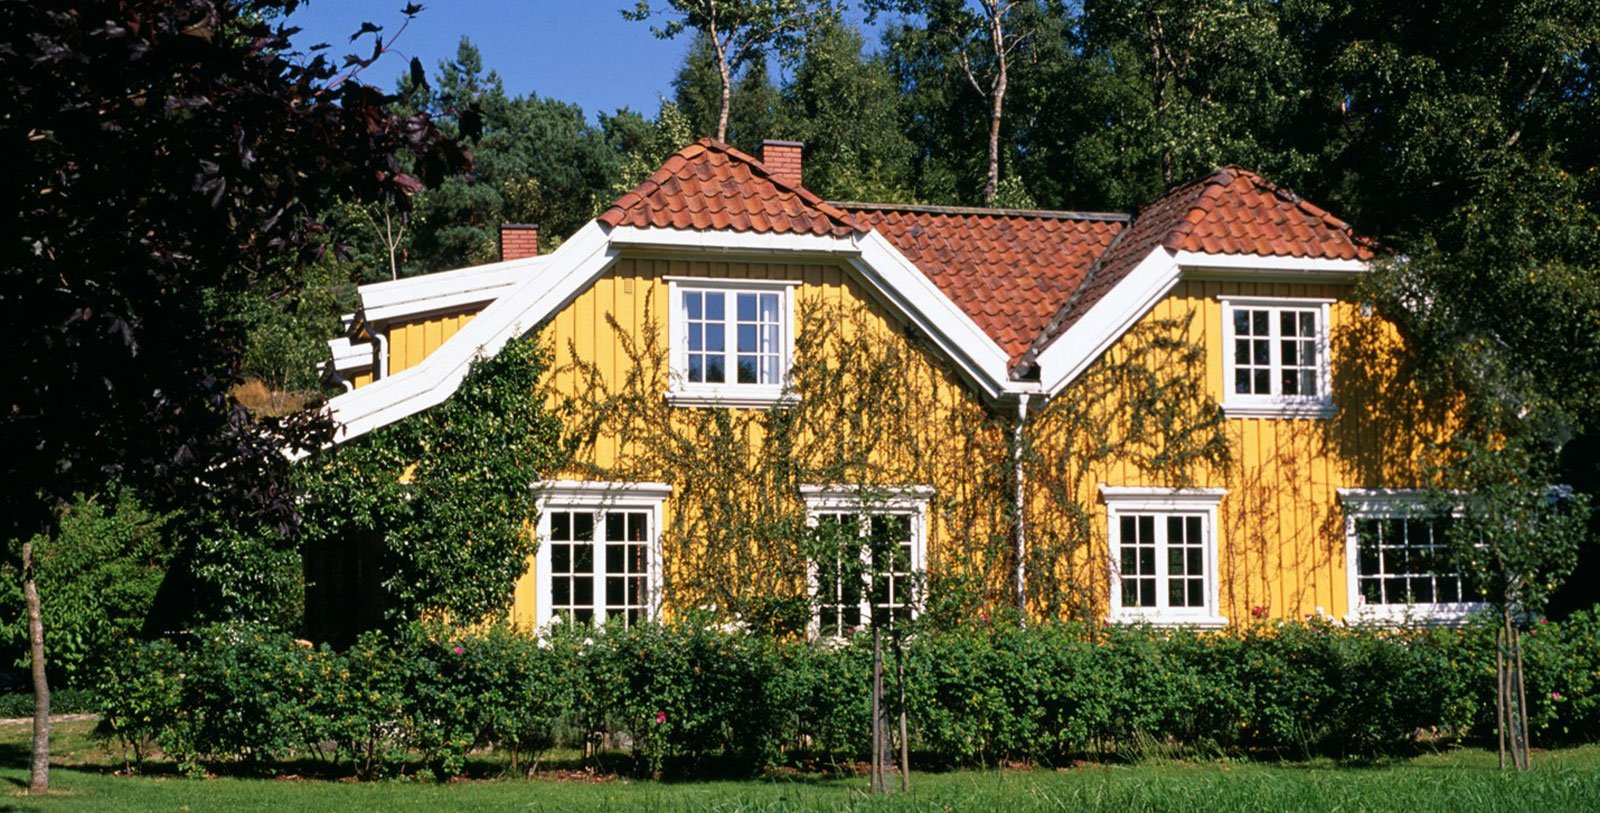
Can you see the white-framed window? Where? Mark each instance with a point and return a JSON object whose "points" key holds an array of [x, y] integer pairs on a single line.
{"points": [[731, 342], [871, 559], [1276, 359], [1398, 562], [1163, 555], [599, 555]]}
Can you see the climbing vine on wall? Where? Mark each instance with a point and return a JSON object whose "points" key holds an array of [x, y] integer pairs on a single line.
{"points": [[446, 493], [875, 407]]}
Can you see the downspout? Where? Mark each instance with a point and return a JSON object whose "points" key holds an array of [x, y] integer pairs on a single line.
{"points": [[380, 365], [1019, 508]]}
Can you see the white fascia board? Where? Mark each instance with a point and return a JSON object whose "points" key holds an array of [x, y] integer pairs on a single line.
{"points": [[1070, 354], [914, 294], [567, 271], [348, 355], [414, 296], [1257, 266], [735, 242]]}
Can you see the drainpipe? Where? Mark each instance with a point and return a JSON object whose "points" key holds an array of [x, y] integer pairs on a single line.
{"points": [[1019, 509], [380, 366]]}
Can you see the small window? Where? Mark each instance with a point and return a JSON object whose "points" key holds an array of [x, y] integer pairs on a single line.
{"points": [[732, 341], [869, 557], [1400, 562], [1163, 555], [1276, 362], [599, 553]]}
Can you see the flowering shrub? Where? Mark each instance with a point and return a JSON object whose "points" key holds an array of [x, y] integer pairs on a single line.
{"points": [[688, 697]]}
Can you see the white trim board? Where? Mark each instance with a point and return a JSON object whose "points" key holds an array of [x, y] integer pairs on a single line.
{"points": [[573, 266]]}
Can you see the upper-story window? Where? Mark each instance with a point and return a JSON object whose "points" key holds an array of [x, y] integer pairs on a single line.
{"points": [[1163, 555], [1399, 560], [1276, 360], [731, 342]]}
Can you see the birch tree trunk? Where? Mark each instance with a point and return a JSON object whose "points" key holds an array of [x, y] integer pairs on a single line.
{"points": [[39, 773], [997, 35]]}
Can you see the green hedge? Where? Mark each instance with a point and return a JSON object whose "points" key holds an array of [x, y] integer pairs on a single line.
{"points": [[688, 698], [62, 701]]}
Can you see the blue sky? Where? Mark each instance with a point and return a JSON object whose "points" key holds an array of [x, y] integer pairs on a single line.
{"points": [[578, 51]]}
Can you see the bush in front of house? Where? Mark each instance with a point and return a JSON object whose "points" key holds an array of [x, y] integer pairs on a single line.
{"points": [[693, 699]]}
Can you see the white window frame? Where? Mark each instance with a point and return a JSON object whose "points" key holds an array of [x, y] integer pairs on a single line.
{"points": [[683, 392], [1121, 500], [1251, 405], [906, 501], [599, 497], [1381, 503]]}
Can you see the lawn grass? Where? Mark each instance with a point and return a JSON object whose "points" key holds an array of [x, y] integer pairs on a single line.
{"points": [[1454, 780]]}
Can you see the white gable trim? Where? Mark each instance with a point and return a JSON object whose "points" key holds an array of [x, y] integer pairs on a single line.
{"points": [[573, 267], [1067, 355], [568, 270], [415, 296]]}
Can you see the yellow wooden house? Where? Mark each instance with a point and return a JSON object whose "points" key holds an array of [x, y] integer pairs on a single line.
{"points": [[1183, 415]]}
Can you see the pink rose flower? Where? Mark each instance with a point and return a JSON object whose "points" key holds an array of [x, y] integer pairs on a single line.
{"points": [[1555, 695], [661, 717], [458, 650]]}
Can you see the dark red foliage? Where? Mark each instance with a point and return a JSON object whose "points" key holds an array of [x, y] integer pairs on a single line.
{"points": [[155, 159]]}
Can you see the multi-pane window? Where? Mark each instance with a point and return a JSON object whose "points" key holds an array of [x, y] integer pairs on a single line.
{"points": [[866, 573], [1405, 561], [732, 339], [599, 564], [1163, 546], [1162, 560], [1277, 354]]}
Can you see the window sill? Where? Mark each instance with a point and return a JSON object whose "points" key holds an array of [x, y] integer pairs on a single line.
{"points": [[735, 397], [1314, 410], [1396, 615], [1205, 622]]}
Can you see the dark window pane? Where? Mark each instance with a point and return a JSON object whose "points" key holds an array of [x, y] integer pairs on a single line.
{"points": [[1147, 592], [1147, 560], [561, 592], [1263, 352], [615, 524], [583, 526], [691, 304], [1241, 322], [583, 616], [583, 559], [1241, 381], [747, 339], [747, 370], [1449, 591], [1174, 530], [1129, 535], [697, 369], [1308, 382], [696, 337], [1130, 593], [615, 591], [1394, 591], [747, 307], [613, 558], [1241, 351], [1372, 591], [1194, 562], [714, 370], [1174, 561], [1196, 592], [1129, 563], [583, 592], [1258, 323], [560, 526], [1147, 530], [560, 559], [714, 338], [638, 526], [1291, 382], [1175, 593], [1263, 382]]}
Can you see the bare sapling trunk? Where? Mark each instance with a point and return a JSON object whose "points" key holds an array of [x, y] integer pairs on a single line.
{"points": [[877, 783], [1512, 700], [905, 742], [39, 768]]}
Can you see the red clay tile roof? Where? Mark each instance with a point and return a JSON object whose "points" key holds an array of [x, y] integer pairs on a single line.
{"points": [[1010, 270], [710, 185], [1230, 211]]}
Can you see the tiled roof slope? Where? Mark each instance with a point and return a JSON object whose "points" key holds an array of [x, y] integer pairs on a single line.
{"points": [[1010, 270], [710, 185], [1230, 211]]}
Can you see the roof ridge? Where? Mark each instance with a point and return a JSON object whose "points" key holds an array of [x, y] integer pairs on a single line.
{"points": [[833, 212], [923, 208]]}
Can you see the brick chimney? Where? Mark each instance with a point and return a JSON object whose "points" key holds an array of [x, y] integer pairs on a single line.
{"points": [[782, 159], [518, 241]]}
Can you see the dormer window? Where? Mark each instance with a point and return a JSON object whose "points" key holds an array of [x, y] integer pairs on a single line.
{"points": [[731, 341]]}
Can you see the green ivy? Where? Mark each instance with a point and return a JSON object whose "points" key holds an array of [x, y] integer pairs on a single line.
{"points": [[447, 492]]}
